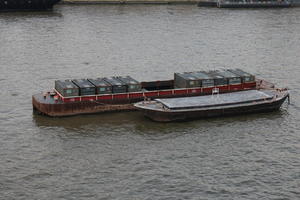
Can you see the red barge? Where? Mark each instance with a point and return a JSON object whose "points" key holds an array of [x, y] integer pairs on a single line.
{"points": [[55, 104]]}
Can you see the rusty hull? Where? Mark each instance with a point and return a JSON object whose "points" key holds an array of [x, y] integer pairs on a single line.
{"points": [[46, 104], [54, 108]]}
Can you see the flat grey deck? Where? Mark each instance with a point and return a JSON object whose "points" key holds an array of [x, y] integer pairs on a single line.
{"points": [[216, 100]]}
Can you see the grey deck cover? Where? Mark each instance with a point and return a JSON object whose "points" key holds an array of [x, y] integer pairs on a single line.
{"points": [[216, 100]]}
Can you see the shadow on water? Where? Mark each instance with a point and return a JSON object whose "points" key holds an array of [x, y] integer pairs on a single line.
{"points": [[135, 122]]}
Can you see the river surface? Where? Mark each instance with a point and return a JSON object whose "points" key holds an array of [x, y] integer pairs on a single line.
{"points": [[123, 155]]}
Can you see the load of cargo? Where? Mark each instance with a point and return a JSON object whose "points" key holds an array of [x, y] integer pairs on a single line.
{"points": [[212, 78], [126, 84], [85, 87]]}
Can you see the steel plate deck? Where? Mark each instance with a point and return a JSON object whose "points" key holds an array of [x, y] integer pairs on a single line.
{"points": [[217, 99]]}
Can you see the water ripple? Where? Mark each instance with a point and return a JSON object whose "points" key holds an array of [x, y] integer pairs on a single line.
{"points": [[124, 155]]}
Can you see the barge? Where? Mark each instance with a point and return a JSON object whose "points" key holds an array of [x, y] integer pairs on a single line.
{"points": [[189, 108], [16, 5], [74, 97], [254, 3]]}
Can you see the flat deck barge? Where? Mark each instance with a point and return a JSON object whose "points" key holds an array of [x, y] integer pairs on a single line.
{"points": [[188, 108], [254, 3], [17, 5]]}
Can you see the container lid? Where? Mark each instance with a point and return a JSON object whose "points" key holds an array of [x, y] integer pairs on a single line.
{"points": [[187, 75], [83, 83], [202, 75], [99, 82], [113, 81], [215, 74], [228, 74], [66, 84]]}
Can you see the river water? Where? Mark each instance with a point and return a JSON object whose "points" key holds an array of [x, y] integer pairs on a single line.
{"points": [[124, 155]]}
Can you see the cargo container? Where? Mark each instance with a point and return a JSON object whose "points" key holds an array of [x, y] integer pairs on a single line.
{"points": [[231, 77], [218, 79], [85, 87], [117, 85], [186, 80], [132, 84], [206, 80], [102, 87], [66, 88], [246, 77]]}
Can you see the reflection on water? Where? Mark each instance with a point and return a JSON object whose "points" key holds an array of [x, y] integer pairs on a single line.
{"points": [[101, 120], [138, 123]]}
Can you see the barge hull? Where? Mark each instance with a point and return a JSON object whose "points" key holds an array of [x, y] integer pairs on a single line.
{"points": [[71, 109], [59, 106], [267, 4], [161, 116], [17, 5], [49, 107]]}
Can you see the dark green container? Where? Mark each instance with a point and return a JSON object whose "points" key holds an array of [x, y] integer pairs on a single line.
{"points": [[186, 80], [132, 84], [85, 87], [102, 87], [66, 88]]}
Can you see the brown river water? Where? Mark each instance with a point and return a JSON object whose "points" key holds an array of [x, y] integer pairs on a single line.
{"points": [[124, 155]]}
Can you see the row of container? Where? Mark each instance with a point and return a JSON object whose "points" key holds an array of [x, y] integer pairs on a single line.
{"points": [[83, 87], [212, 78], [123, 84]]}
